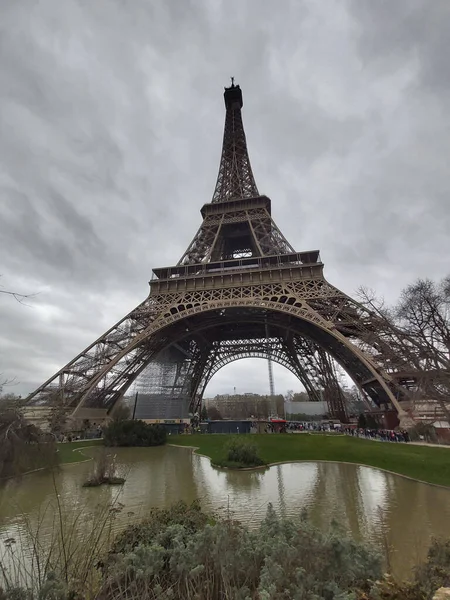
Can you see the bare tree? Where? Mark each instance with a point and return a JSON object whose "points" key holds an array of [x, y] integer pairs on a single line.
{"points": [[4, 382], [279, 404], [356, 402], [214, 413], [23, 446], [263, 407], [289, 396], [424, 310], [21, 299], [300, 397], [414, 338], [121, 412]]}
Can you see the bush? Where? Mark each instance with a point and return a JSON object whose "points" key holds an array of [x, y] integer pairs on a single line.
{"points": [[191, 517], [428, 578], [435, 573], [181, 553], [134, 433], [281, 559], [240, 452]]}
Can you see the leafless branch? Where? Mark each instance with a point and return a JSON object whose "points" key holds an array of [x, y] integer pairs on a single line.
{"points": [[20, 298]]}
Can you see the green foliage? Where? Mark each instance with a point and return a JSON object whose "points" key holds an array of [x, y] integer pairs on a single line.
{"points": [[240, 452], [282, 559], [182, 553], [72, 452], [189, 516], [134, 433]]}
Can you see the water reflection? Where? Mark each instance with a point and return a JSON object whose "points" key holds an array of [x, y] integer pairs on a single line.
{"points": [[368, 503]]}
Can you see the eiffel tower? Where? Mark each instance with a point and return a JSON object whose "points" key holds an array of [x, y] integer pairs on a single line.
{"points": [[240, 290]]}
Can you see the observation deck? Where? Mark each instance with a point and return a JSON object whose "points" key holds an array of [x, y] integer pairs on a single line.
{"points": [[238, 272]]}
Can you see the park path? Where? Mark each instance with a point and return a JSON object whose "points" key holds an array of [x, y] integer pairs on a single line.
{"points": [[428, 444]]}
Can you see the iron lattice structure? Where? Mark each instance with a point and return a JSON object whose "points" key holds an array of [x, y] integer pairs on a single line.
{"points": [[239, 290]]}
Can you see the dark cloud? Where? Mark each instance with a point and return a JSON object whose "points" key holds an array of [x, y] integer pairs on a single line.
{"points": [[110, 130], [394, 33]]}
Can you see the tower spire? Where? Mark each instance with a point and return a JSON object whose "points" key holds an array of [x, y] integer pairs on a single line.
{"points": [[239, 290], [235, 179]]}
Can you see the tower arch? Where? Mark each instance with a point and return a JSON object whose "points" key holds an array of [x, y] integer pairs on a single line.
{"points": [[189, 322], [238, 276]]}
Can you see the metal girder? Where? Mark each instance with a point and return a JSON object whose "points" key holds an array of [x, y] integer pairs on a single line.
{"points": [[259, 235], [102, 373], [238, 274], [235, 178], [307, 362]]}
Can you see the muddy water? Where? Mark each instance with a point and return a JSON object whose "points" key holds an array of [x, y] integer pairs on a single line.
{"points": [[370, 504]]}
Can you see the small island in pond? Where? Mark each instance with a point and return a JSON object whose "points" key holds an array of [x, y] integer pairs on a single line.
{"points": [[104, 471]]}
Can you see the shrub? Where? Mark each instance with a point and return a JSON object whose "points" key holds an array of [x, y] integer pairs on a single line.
{"points": [[435, 573], [134, 433], [189, 516], [428, 578], [240, 452], [181, 553], [284, 558]]}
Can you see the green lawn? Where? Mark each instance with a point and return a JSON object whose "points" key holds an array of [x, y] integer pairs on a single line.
{"points": [[66, 452], [420, 462]]}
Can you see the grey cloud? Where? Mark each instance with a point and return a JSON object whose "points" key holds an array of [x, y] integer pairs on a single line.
{"points": [[394, 32], [111, 120], [54, 239]]}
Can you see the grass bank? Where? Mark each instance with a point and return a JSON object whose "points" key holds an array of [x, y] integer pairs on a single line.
{"points": [[67, 451], [419, 462]]}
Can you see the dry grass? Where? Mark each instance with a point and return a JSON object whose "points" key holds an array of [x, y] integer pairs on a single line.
{"points": [[68, 557], [104, 470]]}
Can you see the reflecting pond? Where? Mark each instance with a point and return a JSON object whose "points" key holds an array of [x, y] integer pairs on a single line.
{"points": [[368, 503]]}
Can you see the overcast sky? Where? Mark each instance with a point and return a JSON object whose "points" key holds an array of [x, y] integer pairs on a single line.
{"points": [[111, 122]]}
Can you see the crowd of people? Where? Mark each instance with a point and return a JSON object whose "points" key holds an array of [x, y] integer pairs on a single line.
{"points": [[309, 426], [89, 433], [382, 435]]}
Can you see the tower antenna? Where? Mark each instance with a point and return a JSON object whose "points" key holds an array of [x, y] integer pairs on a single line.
{"points": [[238, 274]]}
